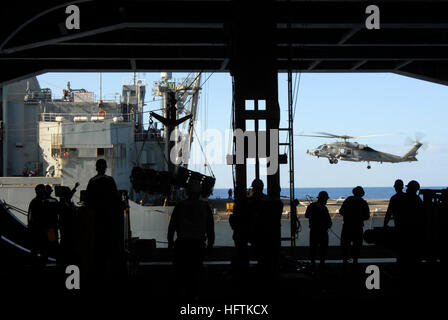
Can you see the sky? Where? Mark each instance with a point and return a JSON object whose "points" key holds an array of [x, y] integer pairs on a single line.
{"points": [[344, 104]]}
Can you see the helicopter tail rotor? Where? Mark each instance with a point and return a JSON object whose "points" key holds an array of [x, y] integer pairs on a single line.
{"points": [[416, 145], [418, 136]]}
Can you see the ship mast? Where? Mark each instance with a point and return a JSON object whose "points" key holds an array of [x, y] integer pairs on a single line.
{"points": [[176, 95], [194, 105]]}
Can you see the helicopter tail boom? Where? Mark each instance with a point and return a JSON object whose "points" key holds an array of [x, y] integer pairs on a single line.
{"points": [[410, 155]]}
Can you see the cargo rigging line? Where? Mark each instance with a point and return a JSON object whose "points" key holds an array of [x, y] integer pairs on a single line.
{"points": [[294, 221], [18, 210]]}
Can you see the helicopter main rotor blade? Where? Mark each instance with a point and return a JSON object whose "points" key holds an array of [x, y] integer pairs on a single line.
{"points": [[314, 136], [330, 135], [345, 137], [355, 137], [374, 135]]}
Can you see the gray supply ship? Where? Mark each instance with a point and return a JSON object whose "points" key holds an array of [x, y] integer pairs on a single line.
{"points": [[58, 141]]}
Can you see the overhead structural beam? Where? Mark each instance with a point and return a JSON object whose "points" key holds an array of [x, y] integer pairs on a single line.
{"points": [[31, 19], [314, 64], [110, 28], [348, 35], [62, 39], [311, 36], [359, 64], [335, 53], [359, 25], [224, 64], [176, 43], [402, 64], [283, 37], [424, 77]]}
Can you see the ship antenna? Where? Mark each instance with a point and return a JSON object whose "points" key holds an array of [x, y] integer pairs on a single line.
{"points": [[101, 87]]}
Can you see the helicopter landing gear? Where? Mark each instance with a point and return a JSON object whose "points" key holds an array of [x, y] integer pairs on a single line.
{"points": [[368, 166], [333, 161]]}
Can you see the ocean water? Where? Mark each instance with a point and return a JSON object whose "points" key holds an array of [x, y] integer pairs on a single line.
{"points": [[302, 193]]}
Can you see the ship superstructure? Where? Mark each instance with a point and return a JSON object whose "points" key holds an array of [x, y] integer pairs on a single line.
{"points": [[58, 141]]}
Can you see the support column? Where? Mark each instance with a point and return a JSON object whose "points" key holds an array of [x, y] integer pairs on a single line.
{"points": [[1, 132], [254, 70], [4, 133]]}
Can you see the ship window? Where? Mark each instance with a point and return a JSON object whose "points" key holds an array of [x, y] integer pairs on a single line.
{"points": [[100, 152], [109, 155], [119, 155]]}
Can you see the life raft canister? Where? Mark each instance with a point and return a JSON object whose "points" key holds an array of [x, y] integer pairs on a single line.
{"points": [[101, 113]]}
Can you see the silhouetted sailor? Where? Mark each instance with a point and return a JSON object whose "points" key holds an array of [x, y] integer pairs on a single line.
{"points": [[37, 227], [104, 200], [409, 226], [355, 211], [396, 205], [67, 225], [265, 214], [266, 236], [51, 207], [69, 195], [192, 221], [319, 222], [414, 207], [240, 221], [443, 237], [255, 205]]}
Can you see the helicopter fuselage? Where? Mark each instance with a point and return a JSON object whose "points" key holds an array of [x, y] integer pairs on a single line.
{"points": [[353, 151]]}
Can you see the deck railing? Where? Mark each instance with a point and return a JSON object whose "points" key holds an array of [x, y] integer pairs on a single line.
{"points": [[85, 117]]}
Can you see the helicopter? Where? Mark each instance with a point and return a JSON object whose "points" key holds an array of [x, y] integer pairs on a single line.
{"points": [[354, 151]]}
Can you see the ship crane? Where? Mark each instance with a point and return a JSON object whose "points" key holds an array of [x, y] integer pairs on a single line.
{"points": [[174, 98], [179, 105], [68, 93]]}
